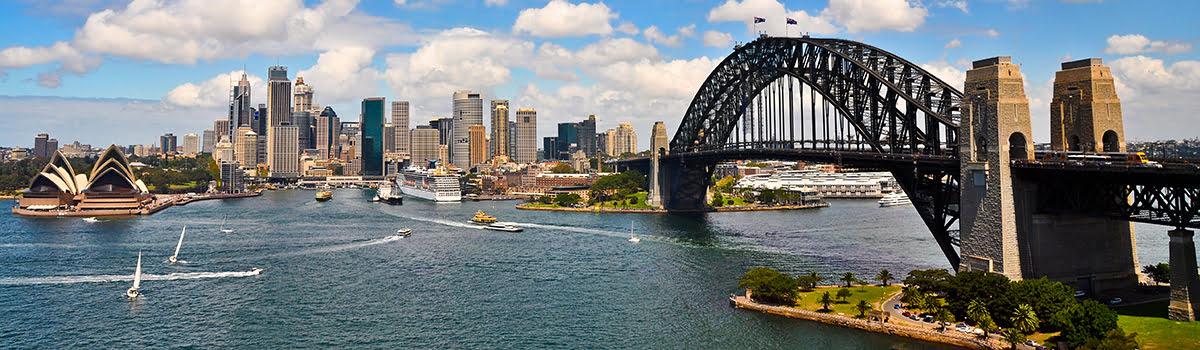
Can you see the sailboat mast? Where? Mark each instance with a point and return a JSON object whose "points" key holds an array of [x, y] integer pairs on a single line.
{"points": [[137, 274], [180, 244]]}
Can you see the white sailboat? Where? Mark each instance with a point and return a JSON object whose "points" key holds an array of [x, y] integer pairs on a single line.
{"points": [[175, 258], [224, 226], [633, 237], [133, 292]]}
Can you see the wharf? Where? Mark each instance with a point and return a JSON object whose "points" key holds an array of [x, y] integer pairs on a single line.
{"points": [[160, 203]]}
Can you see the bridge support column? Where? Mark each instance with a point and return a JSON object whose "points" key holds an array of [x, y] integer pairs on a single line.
{"points": [[1185, 285]]}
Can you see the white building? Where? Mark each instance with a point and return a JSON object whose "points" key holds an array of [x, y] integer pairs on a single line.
{"points": [[191, 144], [284, 160], [829, 184]]}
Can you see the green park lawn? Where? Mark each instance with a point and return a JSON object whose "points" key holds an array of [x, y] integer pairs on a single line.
{"points": [[641, 202], [875, 295], [1154, 330]]}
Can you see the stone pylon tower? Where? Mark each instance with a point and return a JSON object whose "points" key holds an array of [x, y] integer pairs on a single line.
{"points": [[658, 147], [1085, 114], [995, 129]]}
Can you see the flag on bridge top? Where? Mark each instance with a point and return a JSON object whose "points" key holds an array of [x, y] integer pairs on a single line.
{"points": [[759, 19], [791, 21]]}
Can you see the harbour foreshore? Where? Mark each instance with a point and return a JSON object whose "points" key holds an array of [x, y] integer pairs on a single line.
{"points": [[160, 202], [967, 341]]}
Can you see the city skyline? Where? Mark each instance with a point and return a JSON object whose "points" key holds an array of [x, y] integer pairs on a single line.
{"points": [[624, 63]]}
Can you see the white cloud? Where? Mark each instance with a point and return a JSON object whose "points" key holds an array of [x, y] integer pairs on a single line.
{"points": [[213, 92], [560, 18], [71, 61], [628, 28], [1136, 44], [495, 2], [959, 4], [776, 15], [1153, 93], [343, 75], [953, 44], [991, 33], [946, 72], [875, 15], [717, 39], [654, 35], [99, 122]]}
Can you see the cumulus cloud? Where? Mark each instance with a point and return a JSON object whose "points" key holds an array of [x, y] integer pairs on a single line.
{"points": [[654, 35], [213, 92], [776, 15], [946, 72], [1137, 44], [628, 28], [953, 44], [71, 61], [343, 75], [875, 15], [717, 39], [560, 18], [991, 33], [958, 4], [495, 2], [1153, 92], [99, 122]]}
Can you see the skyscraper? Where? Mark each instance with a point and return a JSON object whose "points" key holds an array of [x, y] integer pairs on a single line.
{"points": [[371, 125], [263, 122], [279, 113], [326, 132], [587, 136], [400, 121], [445, 128], [478, 144], [240, 113], [389, 138], [568, 138], [304, 125], [168, 143], [51, 147], [284, 160], [223, 150], [303, 96], [258, 121], [191, 144], [526, 135], [550, 148], [245, 147], [500, 128], [424, 145], [625, 139], [39, 146], [512, 140], [208, 141], [468, 111], [222, 127]]}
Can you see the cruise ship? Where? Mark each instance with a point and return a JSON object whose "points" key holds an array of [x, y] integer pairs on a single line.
{"points": [[430, 184]]}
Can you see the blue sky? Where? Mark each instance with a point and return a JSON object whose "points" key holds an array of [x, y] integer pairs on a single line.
{"points": [[102, 71]]}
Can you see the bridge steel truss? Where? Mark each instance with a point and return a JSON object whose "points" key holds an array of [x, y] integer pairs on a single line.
{"points": [[902, 117], [1165, 196]]}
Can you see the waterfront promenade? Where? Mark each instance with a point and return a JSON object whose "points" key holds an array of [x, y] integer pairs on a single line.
{"points": [[160, 202]]}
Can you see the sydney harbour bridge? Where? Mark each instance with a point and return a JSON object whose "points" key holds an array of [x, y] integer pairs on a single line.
{"points": [[965, 158]]}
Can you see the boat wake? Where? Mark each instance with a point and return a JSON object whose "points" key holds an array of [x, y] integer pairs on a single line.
{"points": [[26, 281], [341, 247]]}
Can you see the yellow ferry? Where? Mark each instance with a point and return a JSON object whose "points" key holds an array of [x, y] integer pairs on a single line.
{"points": [[482, 219]]}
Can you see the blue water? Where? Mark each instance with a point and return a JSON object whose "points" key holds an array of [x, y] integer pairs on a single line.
{"points": [[333, 277]]}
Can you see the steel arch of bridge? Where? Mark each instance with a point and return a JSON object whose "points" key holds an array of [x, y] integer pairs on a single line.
{"points": [[893, 104]]}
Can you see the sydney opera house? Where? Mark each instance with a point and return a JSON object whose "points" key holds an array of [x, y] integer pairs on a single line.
{"points": [[111, 188]]}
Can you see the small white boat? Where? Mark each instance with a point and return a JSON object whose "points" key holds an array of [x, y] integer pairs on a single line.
{"points": [[894, 199], [133, 292], [175, 257], [503, 227], [91, 219], [403, 232], [256, 271], [224, 226]]}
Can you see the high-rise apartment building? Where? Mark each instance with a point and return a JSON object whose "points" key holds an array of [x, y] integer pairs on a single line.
{"points": [[191, 144], [284, 161], [424, 145], [500, 134], [39, 146], [371, 126], [526, 136], [302, 95], [400, 122], [168, 143], [245, 147], [389, 138], [208, 141], [468, 111], [231, 178], [476, 136], [223, 151], [622, 140], [222, 127], [240, 113]]}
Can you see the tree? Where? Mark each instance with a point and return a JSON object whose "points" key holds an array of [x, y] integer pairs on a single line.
{"points": [[1025, 319], [1014, 337], [862, 308], [562, 168], [825, 301], [567, 199], [545, 199], [884, 276], [1114, 340], [770, 286], [816, 278], [849, 278], [978, 313], [843, 294], [971, 285], [910, 296], [929, 281], [987, 325], [1084, 322], [944, 316], [806, 282], [717, 200], [1046, 297], [1160, 273]]}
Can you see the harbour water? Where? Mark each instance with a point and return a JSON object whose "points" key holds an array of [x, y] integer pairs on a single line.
{"points": [[334, 278]]}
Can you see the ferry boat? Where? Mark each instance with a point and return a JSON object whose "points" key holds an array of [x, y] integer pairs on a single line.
{"points": [[403, 232], [894, 199], [483, 219], [324, 195], [503, 227], [433, 184], [389, 194]]}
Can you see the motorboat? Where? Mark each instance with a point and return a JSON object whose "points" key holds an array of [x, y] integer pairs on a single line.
{"points": [[175, 257], [134, 292], [403, 232], [256, 271], [503, 227], [324, 195], [91, 219], [482, 219], [894, 199]]}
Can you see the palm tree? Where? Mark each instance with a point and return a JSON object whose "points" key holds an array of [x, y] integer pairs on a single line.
{"points": [[1025, 319], [884, 276], [1014, 337], [862, 307], [849, 278], [825, 301], [910, 296], [978, 312], [815, 278]]}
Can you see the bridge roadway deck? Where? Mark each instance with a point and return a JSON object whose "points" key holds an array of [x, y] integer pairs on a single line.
{"points": [[852, 158], [1170, 174]]}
